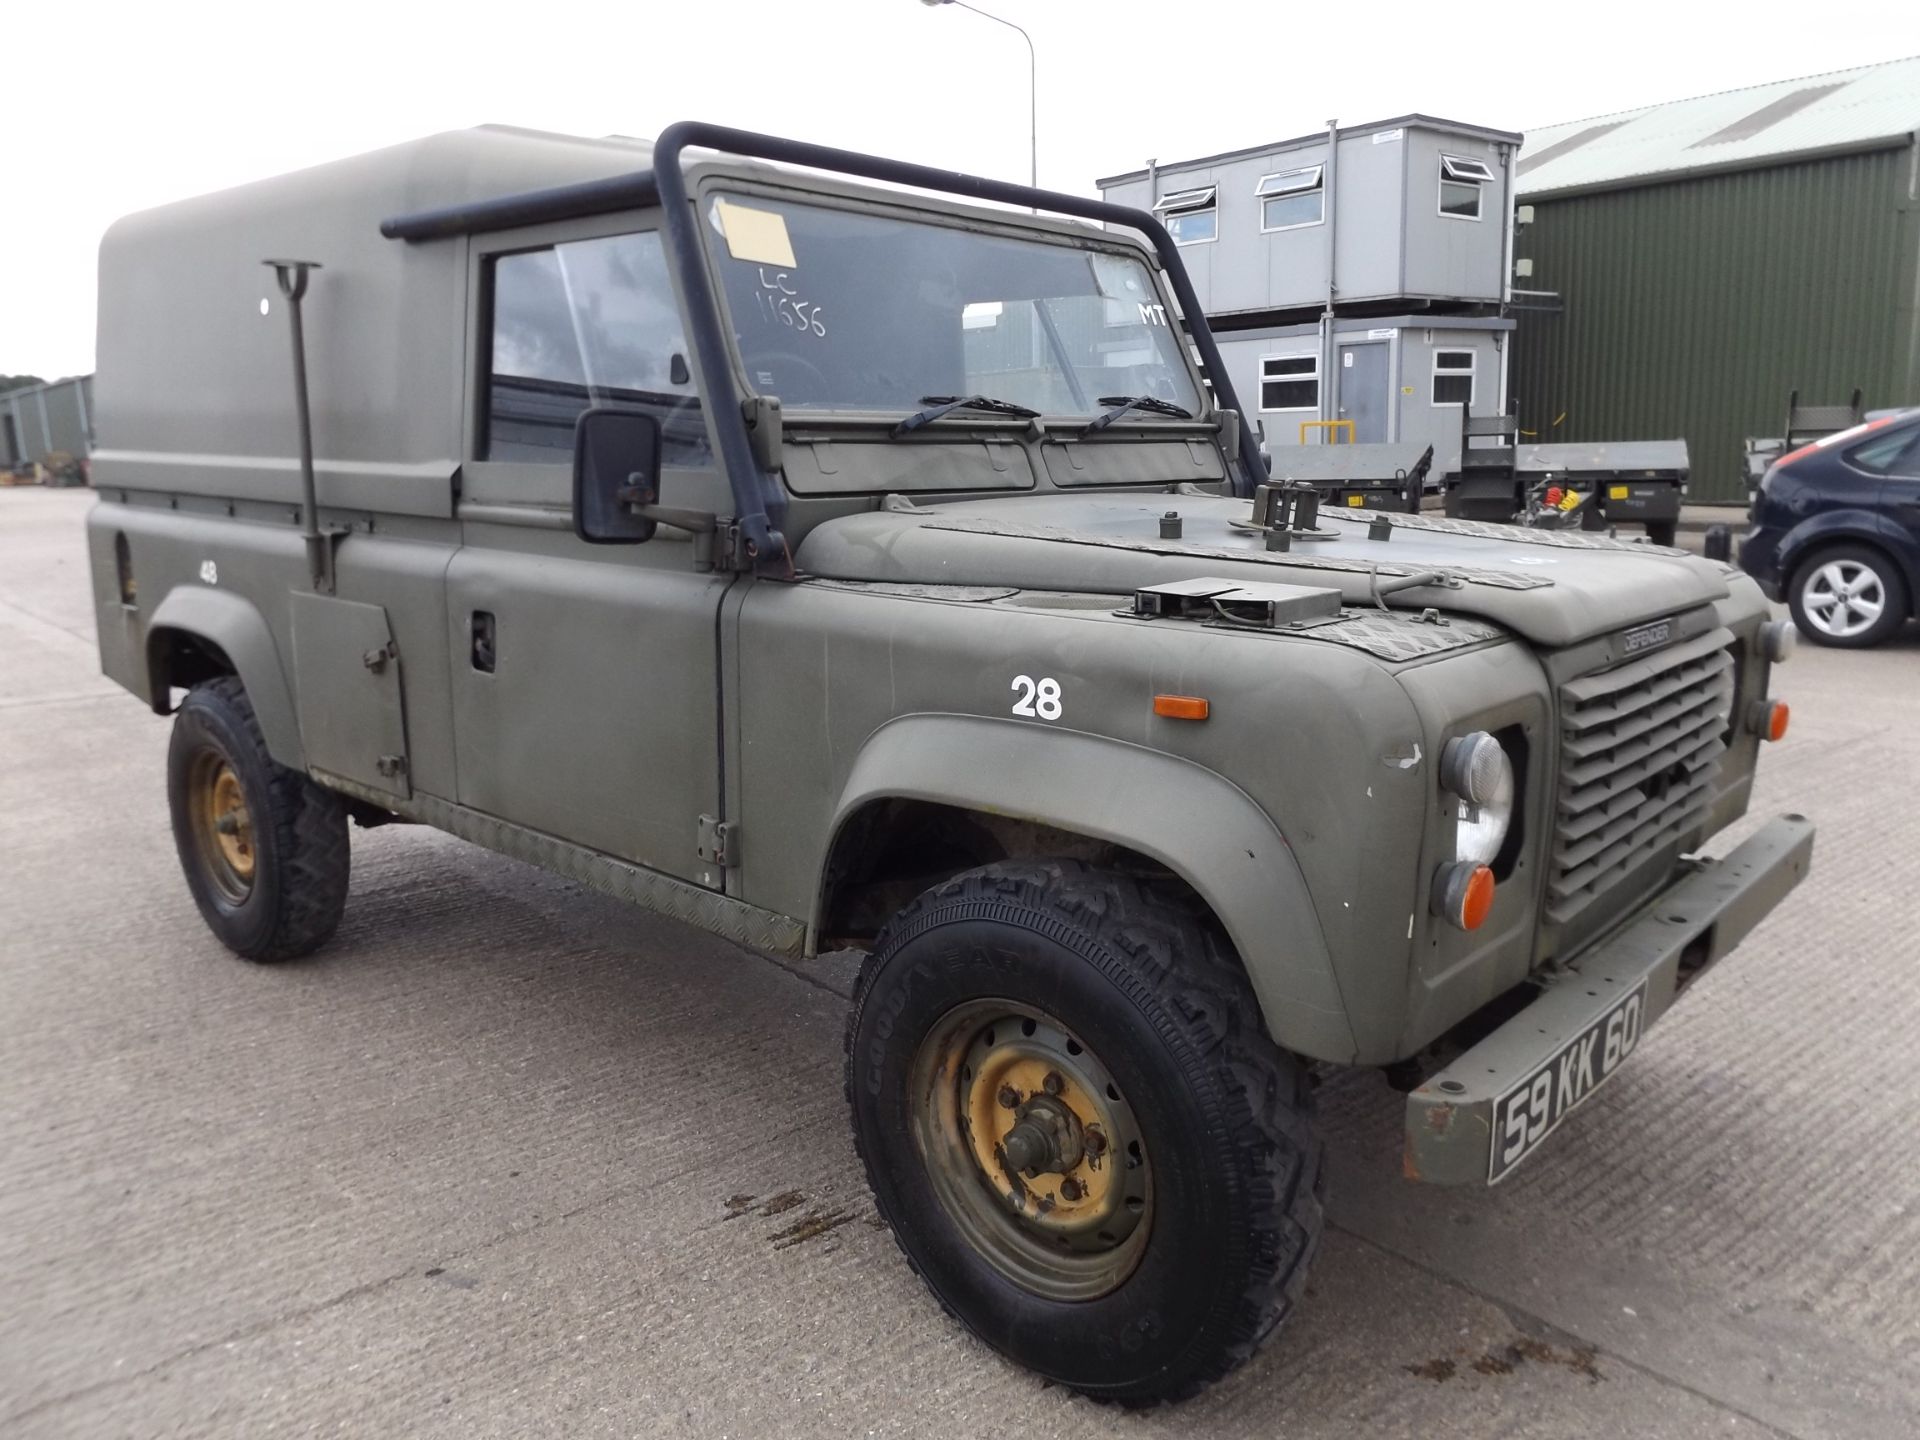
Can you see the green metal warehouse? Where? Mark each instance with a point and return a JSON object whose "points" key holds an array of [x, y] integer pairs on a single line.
{"points": [[1712, 255]]}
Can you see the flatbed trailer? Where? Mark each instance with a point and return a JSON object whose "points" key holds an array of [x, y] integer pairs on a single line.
{"points": [[1804, 425], [1631, 482], [1360, 477]]}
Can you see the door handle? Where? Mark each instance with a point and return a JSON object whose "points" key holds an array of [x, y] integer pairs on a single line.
{"points": [[482, 632]]}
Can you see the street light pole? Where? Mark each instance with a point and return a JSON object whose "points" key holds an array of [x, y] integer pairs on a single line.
{"points": [[1033, 85]]}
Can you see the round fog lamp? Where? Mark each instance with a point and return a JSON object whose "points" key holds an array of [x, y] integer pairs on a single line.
{"points": [[1476, 768]]}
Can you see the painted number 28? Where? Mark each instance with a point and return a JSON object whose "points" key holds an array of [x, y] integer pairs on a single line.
{"points": [[1040, 698]]}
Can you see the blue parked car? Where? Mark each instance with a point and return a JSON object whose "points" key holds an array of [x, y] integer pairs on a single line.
{"points": [[1836, 532]]}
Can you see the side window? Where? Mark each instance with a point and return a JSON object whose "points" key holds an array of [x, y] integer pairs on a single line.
{"points": [[1461, 181], [1453, 377], [1290, 382], [590, 322], [1189, 215], [1896, 455], [1291, 199]]}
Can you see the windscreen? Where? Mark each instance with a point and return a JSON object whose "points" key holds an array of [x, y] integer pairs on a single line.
{"points": [[843, 310]]}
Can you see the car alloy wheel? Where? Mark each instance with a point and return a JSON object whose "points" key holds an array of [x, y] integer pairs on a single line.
{"points": [[1844, 599]]}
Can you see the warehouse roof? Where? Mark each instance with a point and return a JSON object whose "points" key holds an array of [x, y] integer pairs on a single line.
{"points": [[1865, 108]]}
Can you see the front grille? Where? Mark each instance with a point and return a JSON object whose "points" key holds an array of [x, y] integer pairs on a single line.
{"points": [[1640, 744]]}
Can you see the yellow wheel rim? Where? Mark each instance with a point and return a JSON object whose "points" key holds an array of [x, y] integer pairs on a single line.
{"points": [[222, 826], [1032, 1149], [233, 826]]}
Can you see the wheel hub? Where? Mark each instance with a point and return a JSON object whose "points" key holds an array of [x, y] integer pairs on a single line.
{"points": [[1047, 1139]]}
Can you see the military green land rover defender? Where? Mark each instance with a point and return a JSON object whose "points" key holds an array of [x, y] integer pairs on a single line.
{"points": [[834, 564]]}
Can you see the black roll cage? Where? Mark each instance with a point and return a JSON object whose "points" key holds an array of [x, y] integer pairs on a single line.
{"points": [[760, 498]]}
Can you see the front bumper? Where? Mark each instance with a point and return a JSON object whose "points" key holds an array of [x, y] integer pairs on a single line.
{"points": [[1453, 1137]]}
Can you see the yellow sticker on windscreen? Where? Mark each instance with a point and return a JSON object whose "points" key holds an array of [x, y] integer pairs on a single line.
{"points": [[757, 236]]}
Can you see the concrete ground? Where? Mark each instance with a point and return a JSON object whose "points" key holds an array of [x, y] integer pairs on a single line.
{"points": [[511, 1160]]}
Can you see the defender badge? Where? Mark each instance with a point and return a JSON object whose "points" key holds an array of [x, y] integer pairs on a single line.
{"points": [[1646, 637]]}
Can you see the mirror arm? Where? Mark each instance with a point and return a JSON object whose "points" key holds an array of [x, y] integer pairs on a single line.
{"points": [[697, 521], [639, 500]]}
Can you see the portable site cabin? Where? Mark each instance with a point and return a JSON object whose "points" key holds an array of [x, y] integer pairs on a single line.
{"points": [[1358, 273]]}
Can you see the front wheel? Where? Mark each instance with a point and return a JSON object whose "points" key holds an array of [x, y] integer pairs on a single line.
{"points": [[1083, 1138], [264, 849], [1848, 596]]}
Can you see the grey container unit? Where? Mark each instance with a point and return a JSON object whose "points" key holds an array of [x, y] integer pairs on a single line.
{"points": [[1399, 378], [1352, 274], [1379, 213]]}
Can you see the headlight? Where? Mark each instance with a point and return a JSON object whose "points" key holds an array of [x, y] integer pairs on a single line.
{"points": [[1476, 769], [1778, 639]]}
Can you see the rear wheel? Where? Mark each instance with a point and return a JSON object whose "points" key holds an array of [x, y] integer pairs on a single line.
{"points": [[1083, 1138], [1848, 596], [264, 849]]}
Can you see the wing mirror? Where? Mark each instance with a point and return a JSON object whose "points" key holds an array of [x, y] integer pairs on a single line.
{"points": [[616, 476]]}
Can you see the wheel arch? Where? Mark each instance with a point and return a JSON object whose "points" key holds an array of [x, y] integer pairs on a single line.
{"points": [[958, 789], [1836, 528], [198, 633]]}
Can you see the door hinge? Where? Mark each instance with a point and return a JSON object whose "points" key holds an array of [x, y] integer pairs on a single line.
{"points": [[726, 556], [718, 842], [391, 766], [376, 660]]}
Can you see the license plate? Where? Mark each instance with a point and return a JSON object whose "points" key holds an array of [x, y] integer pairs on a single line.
{"points": [[1532, 1110]]}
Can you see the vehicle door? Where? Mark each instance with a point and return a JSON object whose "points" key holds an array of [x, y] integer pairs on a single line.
{"points": [[1362, 390], [585, 677]]}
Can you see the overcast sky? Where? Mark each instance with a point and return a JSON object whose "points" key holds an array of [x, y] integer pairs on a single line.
{"points": [[113, 108]]}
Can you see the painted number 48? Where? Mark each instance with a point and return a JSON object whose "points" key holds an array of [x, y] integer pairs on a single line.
{"points": [[1040, 698]]}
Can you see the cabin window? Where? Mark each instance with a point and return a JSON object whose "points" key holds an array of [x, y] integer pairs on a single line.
{"points": [[1461, 183], [1290, 382], [590, 322], [1453, 377], [1189, 215], [1292, 198]]}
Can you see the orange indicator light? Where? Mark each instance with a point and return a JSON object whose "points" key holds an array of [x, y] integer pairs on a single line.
{"points": [[1478, 900], [1180, 707]]}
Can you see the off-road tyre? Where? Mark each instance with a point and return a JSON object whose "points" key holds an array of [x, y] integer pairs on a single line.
{"points": [[1896, 603], [299, 851], [1138, 970]]}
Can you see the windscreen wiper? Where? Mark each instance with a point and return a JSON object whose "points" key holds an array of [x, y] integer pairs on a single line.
{"points": [[947, 404], [1123, 403]]}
